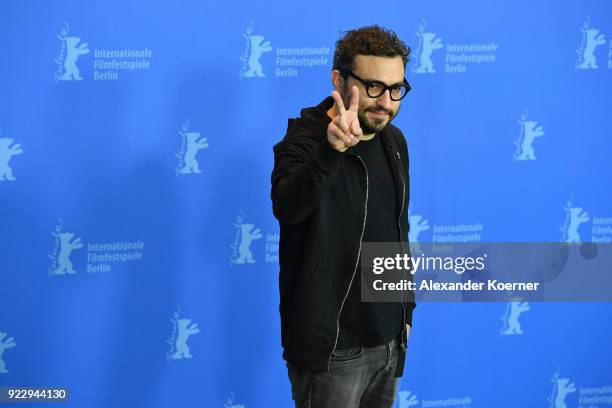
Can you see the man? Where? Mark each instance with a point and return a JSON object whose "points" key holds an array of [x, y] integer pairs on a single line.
{"points": [[340, 178]]}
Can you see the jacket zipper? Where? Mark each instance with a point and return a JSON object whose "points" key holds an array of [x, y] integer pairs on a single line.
{"points": [[403, 346], [356, 263]]}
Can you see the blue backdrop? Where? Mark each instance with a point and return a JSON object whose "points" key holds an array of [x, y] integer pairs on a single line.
{"points": [[139, 253]]}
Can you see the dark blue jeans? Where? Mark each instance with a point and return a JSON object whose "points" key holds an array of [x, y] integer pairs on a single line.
{"points": [[359, 377]]}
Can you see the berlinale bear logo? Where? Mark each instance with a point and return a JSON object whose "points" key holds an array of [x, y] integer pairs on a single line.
{"points": [[70, 51], [246, 233], [5, 344], [7, 151], [591, 39], [181, 331], [187, 155], [428, 43], [512, 325], [529, 131], [574, 217], [254, 49]]}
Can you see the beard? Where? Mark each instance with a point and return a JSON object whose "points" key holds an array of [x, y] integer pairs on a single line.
{"points": [[369, 126]]}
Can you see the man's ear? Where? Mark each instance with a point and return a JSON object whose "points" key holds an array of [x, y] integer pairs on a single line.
{"points": [[337, 80]]}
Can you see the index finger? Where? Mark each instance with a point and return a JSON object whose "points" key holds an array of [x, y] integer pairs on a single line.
{"points": [[354, 99], [339, 103]]}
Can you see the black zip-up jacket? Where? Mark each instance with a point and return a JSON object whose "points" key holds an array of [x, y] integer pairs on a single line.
{"points": [[319, 196]]}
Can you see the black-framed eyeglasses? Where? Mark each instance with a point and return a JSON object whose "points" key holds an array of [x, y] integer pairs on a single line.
{"points": [[375, 89]]}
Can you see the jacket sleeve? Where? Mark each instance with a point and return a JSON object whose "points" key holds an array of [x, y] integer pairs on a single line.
{"points": [[411, 303], [303, 170]]}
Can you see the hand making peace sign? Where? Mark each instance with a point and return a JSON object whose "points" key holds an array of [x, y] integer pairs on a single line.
{"points": [[344, 130]]}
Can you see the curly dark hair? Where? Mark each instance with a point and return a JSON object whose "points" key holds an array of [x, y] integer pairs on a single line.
{"points": [[370, 40]]}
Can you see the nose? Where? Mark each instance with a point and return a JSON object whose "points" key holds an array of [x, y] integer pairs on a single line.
{"points": [[384, 100]]}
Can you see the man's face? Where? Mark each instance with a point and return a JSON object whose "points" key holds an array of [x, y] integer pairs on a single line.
{"points": [[375, 113]]}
